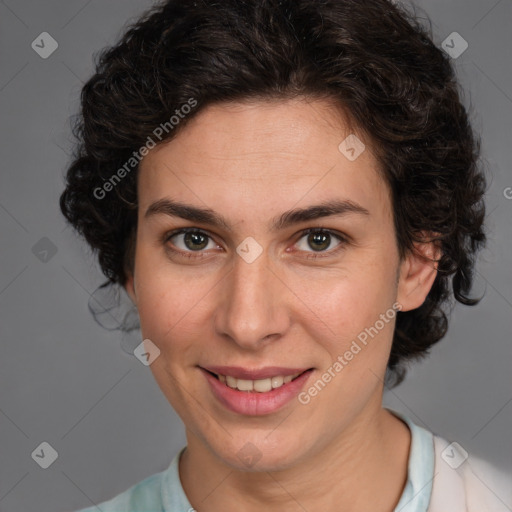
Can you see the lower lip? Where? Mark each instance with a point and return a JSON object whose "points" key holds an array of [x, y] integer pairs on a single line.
{"points": [[253, 403]]}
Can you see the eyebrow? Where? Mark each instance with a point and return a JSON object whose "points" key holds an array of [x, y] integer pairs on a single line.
{"points": [[289, 218]]}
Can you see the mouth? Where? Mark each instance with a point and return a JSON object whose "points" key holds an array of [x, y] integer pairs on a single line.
{"points": [[274, 388], [256, 385]]}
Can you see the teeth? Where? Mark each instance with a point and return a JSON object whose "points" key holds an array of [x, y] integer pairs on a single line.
{"points": [[264, 385], [278, 381], [260, 386], [244, 385], [231, 381]]}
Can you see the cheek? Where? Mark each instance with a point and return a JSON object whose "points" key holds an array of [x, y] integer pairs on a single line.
{"points": [[348, 300], [347, 309], [167, 300]]}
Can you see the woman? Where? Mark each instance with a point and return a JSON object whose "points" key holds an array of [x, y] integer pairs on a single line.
{"points": [[289, 192]]}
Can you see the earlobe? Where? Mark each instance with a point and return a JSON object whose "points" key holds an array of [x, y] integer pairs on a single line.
{"points": [[417, 274]]}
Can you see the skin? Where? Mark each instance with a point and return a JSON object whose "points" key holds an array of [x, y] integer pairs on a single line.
{"points": [[250, 162]]}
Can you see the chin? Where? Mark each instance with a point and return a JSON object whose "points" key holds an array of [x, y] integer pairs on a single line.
{"points": [[260, 454]]}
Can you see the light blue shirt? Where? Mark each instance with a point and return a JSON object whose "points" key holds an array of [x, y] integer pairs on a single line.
{"points": [[163, 492]]}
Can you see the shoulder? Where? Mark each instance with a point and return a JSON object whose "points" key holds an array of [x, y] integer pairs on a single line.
{"points": [[466, 483], [145, 495]]}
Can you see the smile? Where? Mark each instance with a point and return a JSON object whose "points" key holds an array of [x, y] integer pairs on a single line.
{"points": [[254, 397], [260, 385]]}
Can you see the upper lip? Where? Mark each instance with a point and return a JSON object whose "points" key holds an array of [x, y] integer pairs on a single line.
{"points": [[254, 374]]}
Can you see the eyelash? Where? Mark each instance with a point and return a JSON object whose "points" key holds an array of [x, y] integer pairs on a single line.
{"points": [[200, 254]]}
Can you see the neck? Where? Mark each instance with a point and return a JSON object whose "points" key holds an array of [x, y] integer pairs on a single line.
{"points": [[364, 469]]}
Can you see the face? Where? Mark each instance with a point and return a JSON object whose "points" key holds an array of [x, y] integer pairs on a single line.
{"points": [[248, 287]]}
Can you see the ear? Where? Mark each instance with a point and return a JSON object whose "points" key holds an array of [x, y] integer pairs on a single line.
{"points": [[417, 273], [129, 286]]}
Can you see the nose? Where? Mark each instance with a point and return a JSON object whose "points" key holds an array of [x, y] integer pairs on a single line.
{"points": [[252, 308]]}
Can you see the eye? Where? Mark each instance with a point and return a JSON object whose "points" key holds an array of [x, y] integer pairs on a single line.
{"points": [[192, 242], [189, 241], [320, 239]]}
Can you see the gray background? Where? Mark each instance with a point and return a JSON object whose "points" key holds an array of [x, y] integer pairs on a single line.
{"points": [[67, 381]]}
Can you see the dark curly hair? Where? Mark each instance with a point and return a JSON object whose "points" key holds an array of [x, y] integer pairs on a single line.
{"points": [[375, 59]]}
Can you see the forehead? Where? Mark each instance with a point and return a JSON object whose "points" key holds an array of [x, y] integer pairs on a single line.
{"points": [[264, 155]]}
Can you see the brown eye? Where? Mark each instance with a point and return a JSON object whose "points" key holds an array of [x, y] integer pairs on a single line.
{"points": [[319, 240], [195, 241], [318, 243], [190, 240]]}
